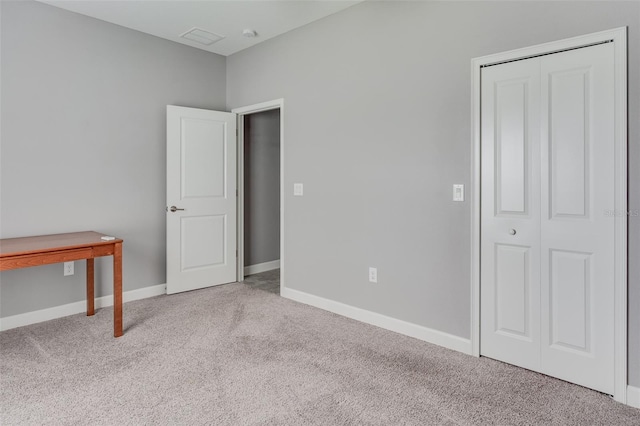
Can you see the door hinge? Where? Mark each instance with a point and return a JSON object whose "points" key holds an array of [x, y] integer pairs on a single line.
{"points": [[236, 252]]}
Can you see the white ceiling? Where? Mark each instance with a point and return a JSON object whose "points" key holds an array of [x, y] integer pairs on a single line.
{"points": [[171, 18]]}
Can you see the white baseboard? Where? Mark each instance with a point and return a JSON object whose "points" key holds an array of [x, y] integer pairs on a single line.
{"points": [[408, 329], [633, 396], [261, 267], [77, 307]]}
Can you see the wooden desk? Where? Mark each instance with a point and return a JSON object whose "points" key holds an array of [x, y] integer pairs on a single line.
{"points": [[25, 252]]}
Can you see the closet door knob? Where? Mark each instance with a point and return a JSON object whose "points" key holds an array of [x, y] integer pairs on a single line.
{"points": [[512, 232]]}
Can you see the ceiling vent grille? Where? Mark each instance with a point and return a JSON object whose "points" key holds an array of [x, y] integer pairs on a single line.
{"points": [[201, 36]]}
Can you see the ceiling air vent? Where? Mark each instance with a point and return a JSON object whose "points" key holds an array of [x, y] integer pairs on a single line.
{"points": [[201, 36]]}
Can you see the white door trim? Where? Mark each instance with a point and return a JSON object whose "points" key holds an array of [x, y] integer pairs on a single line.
{"points": [[619, 38], [242, 111]]}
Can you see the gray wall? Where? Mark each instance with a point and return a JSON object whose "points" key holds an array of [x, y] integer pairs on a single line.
{"points": [[262, 187], [377, 127], [83, 141]]}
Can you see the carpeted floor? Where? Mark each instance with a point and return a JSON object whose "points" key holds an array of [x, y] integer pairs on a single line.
{"points": [[239, 355], [267, 281]]}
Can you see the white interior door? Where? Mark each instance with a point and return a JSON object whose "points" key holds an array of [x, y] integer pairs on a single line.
{"points": [[578, 167], [510, 272], [201, 198], [547, 260]]}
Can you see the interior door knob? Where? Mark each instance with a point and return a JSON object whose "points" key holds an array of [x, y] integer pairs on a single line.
{"points": [[174, 209], [512, 232]]}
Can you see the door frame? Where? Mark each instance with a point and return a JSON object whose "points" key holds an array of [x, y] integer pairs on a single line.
{"points": [[241, 113], [619, 37]]}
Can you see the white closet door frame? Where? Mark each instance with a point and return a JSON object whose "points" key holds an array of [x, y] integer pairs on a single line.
{"points": [[619, 37]]}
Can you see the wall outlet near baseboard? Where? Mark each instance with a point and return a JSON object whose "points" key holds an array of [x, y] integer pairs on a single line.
{"points": [[373, 275], [68, 268]]}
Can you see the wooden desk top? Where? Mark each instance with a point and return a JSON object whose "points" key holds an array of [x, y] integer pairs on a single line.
{"points": [[43, 243]]}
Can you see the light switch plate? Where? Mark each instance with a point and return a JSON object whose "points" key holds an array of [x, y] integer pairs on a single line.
{"points": [[373, 275], [458, 192], [297, 189]]}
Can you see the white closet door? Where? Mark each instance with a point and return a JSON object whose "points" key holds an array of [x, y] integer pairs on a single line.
{"points": [[510, 268], [577, 123], [547, 261]]}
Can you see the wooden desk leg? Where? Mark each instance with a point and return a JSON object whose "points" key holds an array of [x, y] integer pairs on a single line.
{"points": [[90, 291], [117, 290]]}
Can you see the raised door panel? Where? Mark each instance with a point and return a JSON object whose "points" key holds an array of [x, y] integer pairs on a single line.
{"points": [[513, 291], [511, 165], [204, 239], [203, 158], [570, 301], [569, 118]]}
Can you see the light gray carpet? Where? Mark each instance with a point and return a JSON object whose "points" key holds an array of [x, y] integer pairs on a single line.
{"points": [[236, 355], [267, 281]]}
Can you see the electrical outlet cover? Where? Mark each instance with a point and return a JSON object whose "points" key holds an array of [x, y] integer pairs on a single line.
{"points": [[68, 268]]}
